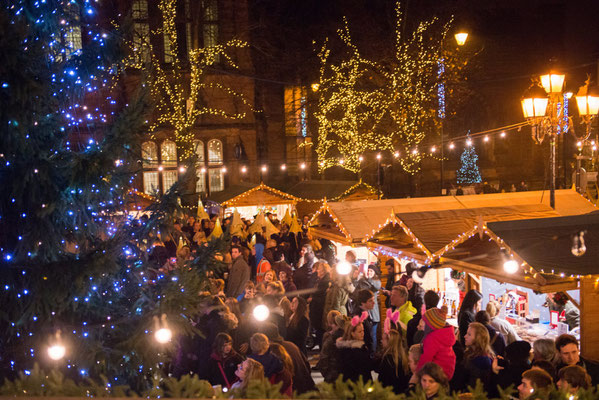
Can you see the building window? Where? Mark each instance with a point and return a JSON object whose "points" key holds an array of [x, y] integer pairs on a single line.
{"points": [[141, 30], [72, 36], [210, 22], [296, 112], [198, 146], [149, 154], [168, 153], [160, 173], [216, 173], [215, 152], [216, 179], [151, 184]]}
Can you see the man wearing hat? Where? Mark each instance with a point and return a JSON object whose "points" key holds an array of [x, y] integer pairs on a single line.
{"points": [[439, 338]]}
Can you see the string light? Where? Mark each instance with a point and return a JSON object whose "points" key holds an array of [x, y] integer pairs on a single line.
{"points": [[352, 116], [176, 90]]}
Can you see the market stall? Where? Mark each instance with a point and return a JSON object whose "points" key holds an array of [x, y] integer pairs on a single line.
{"points": [[353, 223], [249, 198], [566, 250], [313, 192]]}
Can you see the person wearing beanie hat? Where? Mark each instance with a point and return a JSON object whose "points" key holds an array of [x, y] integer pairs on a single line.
{"points": [[438, 341]]}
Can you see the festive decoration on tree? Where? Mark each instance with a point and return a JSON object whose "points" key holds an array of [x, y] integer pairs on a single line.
{"points": [[468, 172], [74, 260], [366, 105], [180, 92]]}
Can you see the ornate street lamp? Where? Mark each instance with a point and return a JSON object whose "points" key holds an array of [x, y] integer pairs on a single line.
{"points": [[587, 100], [543, 108], [540, 107]]}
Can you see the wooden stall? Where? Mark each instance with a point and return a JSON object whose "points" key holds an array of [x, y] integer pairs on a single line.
{"points": [[313, 192], [249, 198], [551, 247]]}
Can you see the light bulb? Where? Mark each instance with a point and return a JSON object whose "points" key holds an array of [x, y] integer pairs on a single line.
{"points": [[56, 352], [510, 266], [303, 166], [182, 170], [163, 335], [378, 156], [261, 313], [343, 268], [264, 168], [283, 167], [244, 170]]}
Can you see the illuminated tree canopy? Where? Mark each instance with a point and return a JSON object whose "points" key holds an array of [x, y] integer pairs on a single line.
{"points": [[377, 105], [179, 91]]}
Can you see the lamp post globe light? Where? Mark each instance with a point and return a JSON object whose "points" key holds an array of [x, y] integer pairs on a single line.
{"points": [[543, 108]]}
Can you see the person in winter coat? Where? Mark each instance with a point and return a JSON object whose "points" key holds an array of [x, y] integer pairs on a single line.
{"points": [[338, 294], [399, 301], [517, 361], [287, 280], [317, 299], [286, 374], [297, 329], [438, 341], [239, 274], [328, 362], [470, 305], [223, 362], [478, 358], [303, 276], [501, 325], [496, 339], [261, 352], [372, 282], [364, 303], [354, 356], [392, 362]]}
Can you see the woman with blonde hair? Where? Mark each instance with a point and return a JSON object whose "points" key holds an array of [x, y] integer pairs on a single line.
{"points": [[478, 357], [392, 362], [247, 371]]}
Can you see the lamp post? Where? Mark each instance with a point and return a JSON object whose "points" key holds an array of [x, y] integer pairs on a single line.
{"points": [[460, 38], [543, 108]]}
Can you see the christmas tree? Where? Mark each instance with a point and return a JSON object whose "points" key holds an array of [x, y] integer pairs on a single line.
{"points": [[468, 172], [78, 290]]}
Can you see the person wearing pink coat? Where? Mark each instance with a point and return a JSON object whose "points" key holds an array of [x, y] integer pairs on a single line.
{"points": [[438, 341]]}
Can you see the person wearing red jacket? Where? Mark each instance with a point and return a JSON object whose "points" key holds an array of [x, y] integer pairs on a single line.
{"points": [[438, 341]]}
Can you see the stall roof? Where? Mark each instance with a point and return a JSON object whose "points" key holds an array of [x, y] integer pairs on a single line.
{"points": [[251, 194], [428, 232], [351, 222], [546, 244], [332, 190]]}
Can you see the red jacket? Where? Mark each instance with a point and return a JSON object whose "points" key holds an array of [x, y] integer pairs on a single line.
{"points": [[437, 347]]}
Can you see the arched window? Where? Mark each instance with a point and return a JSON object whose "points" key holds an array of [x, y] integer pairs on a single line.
{"points": [[149, 153], [198, 147], [168, 153], [215, 152]]}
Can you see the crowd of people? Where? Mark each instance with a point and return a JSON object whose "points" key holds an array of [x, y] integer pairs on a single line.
{"points": [[336, 318]]}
